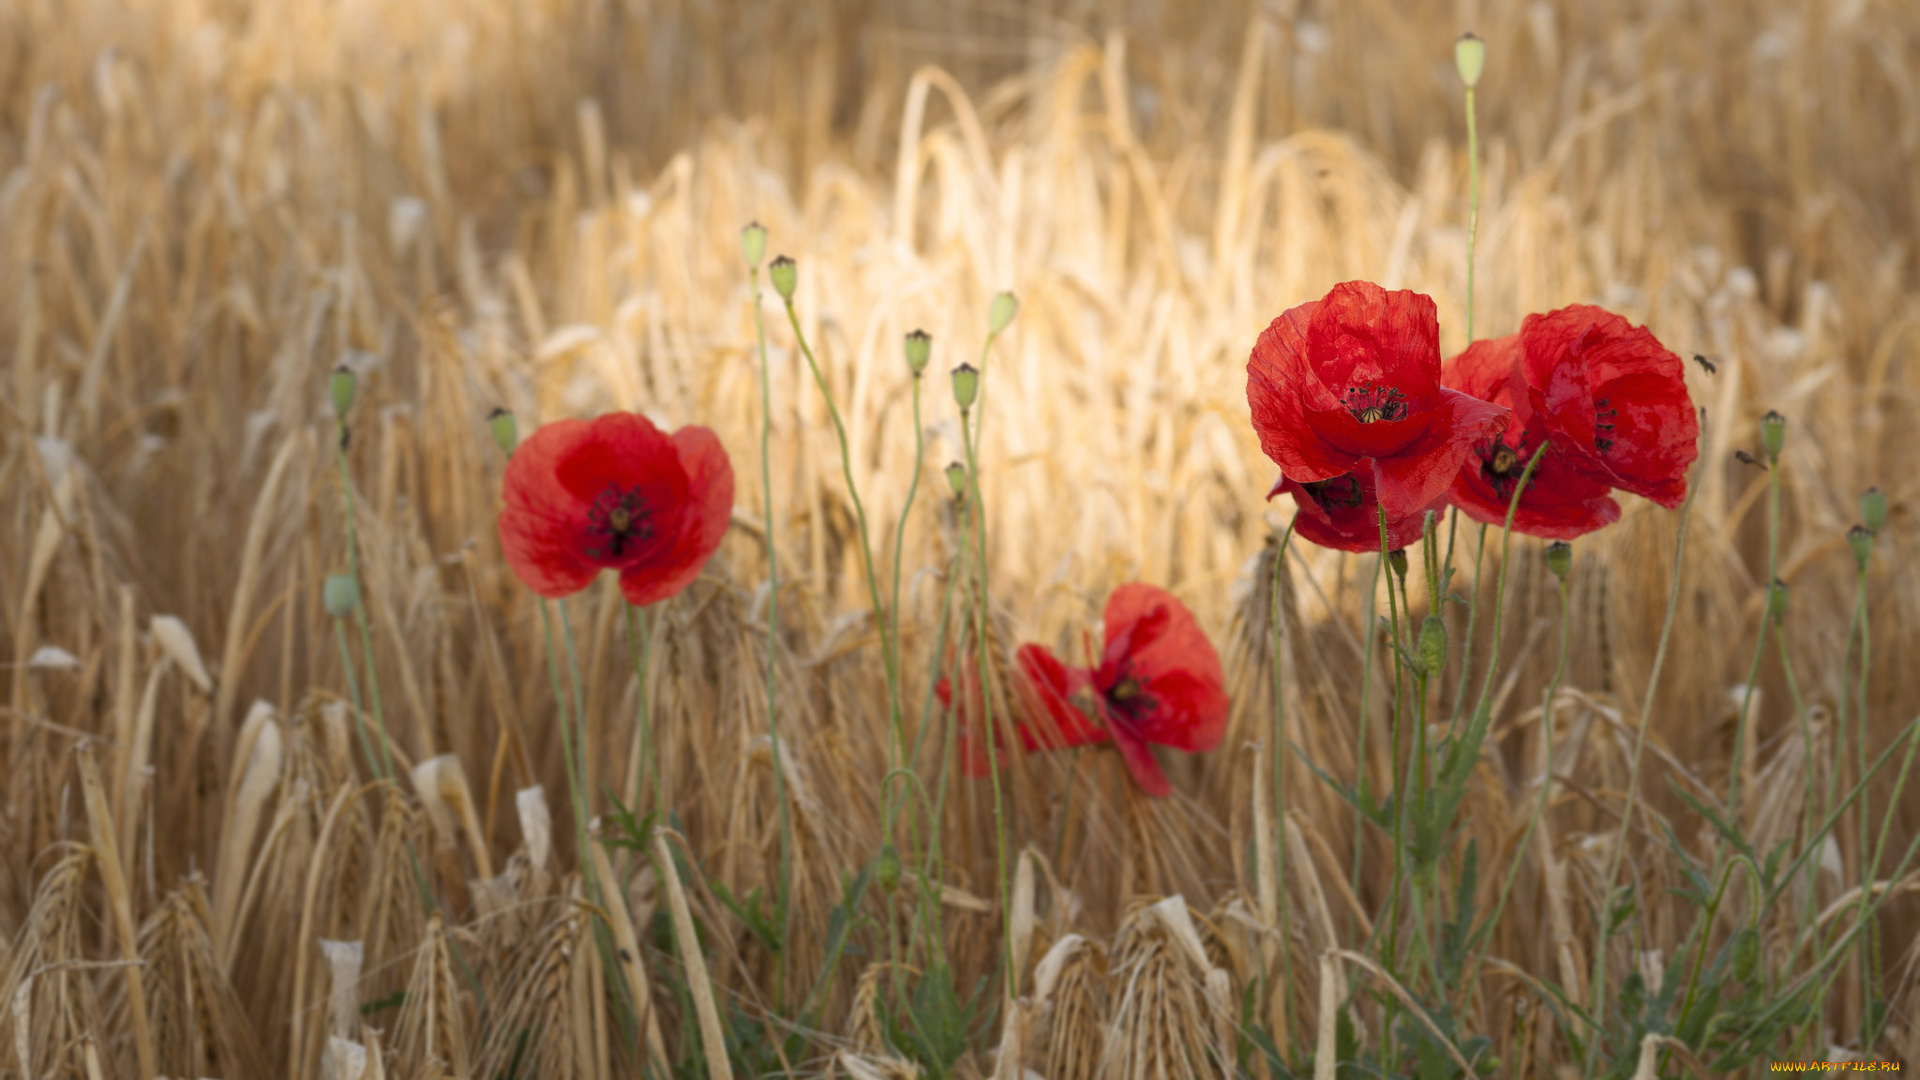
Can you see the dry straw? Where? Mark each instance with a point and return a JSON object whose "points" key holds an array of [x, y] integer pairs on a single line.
{"points": [[471, 203]]}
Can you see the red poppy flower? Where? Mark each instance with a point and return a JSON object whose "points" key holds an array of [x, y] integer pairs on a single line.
{"points": [[1159, 681], [1614, 398], [1561, 501], [1342, 513], [615, 494], [1351, 383]]}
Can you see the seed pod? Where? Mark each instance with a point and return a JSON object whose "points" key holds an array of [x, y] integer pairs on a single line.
{"points": [[784, 273], [341, 595], [343, 386], [1773, 433], [919, 349], [753, 244], [1470, 58], [1560, 558], [1397, 558], [1860, 539], [1777, 601], [1873, 509], [966, 386], [886, 873], [1001, 312], [506, 430], [957, 479]]}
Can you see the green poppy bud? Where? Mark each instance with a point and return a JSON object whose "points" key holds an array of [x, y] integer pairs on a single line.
{"points": [[1777, 601], [1560, 558], [342, 385], [1860, 539], [784, 273], [1397, 559], [886, 872], [1001, 312], [1470, 58], [1433, 644], [1873, 509], [341, 595], [919, 349], [957, 479], [753, 244], [1773, 432], [506, 431], [966, 386]]}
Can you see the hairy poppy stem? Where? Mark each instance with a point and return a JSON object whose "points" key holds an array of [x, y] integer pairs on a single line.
{"points": [[968, 436], [785, 866], [374, 759], [1366, 725], [1280, 774], [908, 763], [1598, 982], [936, 946], [1466, 644], [360, 608], [1759, 644]]}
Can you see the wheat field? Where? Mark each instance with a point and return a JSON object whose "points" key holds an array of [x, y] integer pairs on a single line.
{"points": [[207, 206]]}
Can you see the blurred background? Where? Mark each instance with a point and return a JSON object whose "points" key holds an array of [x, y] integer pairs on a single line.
{"points": [[206, 205]]}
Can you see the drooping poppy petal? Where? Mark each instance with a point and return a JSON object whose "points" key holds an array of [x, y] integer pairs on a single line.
{"points": [[1159, 675], [1343, 514], [1351, 383], [1063, 694], [616, 494], [1561, 501], [1615, 398]]}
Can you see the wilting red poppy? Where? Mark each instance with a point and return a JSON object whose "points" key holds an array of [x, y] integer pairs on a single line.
{"points": [[1614, 398], [1351, 383], [1159, 681], [1342, 513], [1561, 502], [619, 494]]}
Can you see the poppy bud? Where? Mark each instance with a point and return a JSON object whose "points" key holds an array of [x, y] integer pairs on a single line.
{"points": [[753, 244], [966, 386], [341, 595], [1777, 601], [1397, 558], [886, 873], [506, 431], [1560, 558], [1860, 538], [1433, 644], [784, 274], [919, 350], [957, 479], [1873, 509], [1001, 312], [1470, 57], [1773, 432], [342, 385]]}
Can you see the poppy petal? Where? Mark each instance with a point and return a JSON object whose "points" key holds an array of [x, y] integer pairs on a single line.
{"points": [[703, 522], [1140, 762], [1615, 397], [1154, 640], [1343, 514], [540, 517], [1413, 480], [1282, 391], [1362, 333], [1055, 685]]}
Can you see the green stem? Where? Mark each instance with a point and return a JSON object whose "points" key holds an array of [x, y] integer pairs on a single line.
{"points": [[1473, 203], [1466, 646], [1633, 771], [1360, 768], [640, 644], [1753, 669], [1280, 772], [360, 608], [987, 732], [583, 782], [1869, 953], [375, 761], [785, 867]]}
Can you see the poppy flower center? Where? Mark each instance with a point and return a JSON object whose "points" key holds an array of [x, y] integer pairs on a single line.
{"points": [[1341, 492], [1500, 464], [1130, 699], [1369, 403], [622, 517], [1603, 419]]}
